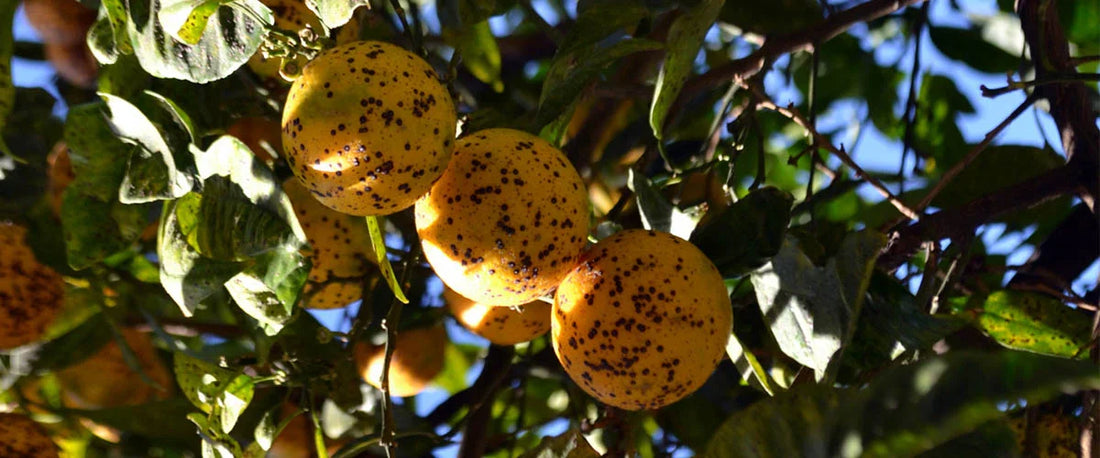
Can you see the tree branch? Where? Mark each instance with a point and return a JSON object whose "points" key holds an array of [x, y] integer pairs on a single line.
{"points": [[776, 46], [963, 219]]}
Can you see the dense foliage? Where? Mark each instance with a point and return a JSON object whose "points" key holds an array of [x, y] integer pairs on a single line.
{"points": [[160, 307]]}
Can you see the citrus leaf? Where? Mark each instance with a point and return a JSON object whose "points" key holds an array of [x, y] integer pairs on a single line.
{"points": [[223, 392], [1032, 322], [570, 444], [747, 364], [335, 13], [685, 37], [231, 37], [996, 168], [597, 19], [570, 72], [379, 245], [186, 275], [7, 48], [185, 20], [151, 173], [746, 234], [771, 17], [656, 211], [157, 419], [904, 411], [480, 53], [968, 47], [268, 290]]}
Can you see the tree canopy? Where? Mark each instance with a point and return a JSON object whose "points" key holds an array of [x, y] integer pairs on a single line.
{"points": [[175, 282]]}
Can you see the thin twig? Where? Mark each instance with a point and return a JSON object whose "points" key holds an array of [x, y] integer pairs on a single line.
{"points": [[393, 317], [973, 154], [1054, 79], [793, 114], [910, 115]]}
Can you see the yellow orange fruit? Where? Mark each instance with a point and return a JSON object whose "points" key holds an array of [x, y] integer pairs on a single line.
{"points": [[31, 294], [106, 380], [368, 127], [340, 250], [642, 321], [507, 219], [417, 359], [21, 437], [500, 325]]}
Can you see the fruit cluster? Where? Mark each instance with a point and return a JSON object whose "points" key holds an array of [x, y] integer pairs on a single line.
{"points": [[639, 320]]}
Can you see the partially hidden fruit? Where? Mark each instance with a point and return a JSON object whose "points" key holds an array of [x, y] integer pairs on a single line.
{"points": [[506, 221], [60, 22], [31, 294], [290, 15], [22, 437], [500, 325], [59, 174], [296, 439], [105, 379], [368, 127], [417, 359], [259, 134], [642, 321], [340, 250], [74, 63]]}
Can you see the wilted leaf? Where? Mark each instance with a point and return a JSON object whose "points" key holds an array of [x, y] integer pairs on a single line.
{"points": [[685, 37], [746, 234], [151, 173]]}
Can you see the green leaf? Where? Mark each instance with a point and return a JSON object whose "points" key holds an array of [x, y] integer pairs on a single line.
{"points": [[158, 419], [771, 17], [335, 13], [456, 363], [812, 310], [480, 53], [570, 444], [108, 38], [7, 47], [1032, 322], [151, 173], [186, 275], [747, 364], [904, 411], [746, 234], [78, 343], [94, 222], [968, 47], [597, 19], [215, 390], [185, 20], [995, 438], [179, 117], [223, 224], [891, 324], [685, 37], [231, 37], [657, 213], [215, 442], [995, 168], [268, 290], [379, 245], [570, 72]]}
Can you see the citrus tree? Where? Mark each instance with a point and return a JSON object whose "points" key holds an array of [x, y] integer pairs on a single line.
{"points": [[549, 228]]}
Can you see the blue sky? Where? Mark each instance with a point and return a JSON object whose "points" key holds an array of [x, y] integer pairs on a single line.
{"points": [[874, 151]]}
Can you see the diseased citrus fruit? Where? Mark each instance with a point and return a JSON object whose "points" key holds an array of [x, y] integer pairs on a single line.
{"points": [[642, 321], [341, 250], [500, 325], [506, 221], [368, 127], [417, 359], [31, 294], [21, 437], [106, 380]]}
